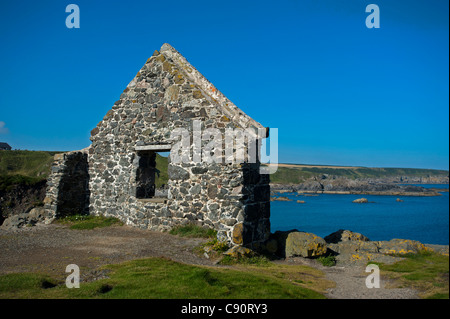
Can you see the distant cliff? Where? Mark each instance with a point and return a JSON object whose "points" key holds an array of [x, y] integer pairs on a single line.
{"points": [[297, 174], [344, 185], [357, 180]]}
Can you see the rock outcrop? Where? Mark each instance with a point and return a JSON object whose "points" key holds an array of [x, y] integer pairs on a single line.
{"points": [[342, 185], [281, 199], [347, 246], [34, 216], [345, 235], [350, 247], [296, 243], [21, 198], [304, 245], [361, 201]]}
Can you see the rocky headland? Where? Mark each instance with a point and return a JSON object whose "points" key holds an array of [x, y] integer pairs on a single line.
{"points": [[381, 186], [347, 246]]}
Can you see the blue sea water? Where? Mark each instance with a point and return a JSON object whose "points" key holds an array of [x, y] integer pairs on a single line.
{"points": [[425, 219]]}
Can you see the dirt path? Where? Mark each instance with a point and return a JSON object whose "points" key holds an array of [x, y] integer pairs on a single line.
{"points": [[351, 284], [50, 248]]}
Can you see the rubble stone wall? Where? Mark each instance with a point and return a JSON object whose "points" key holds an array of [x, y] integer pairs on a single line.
{"points": [[168, 94]]}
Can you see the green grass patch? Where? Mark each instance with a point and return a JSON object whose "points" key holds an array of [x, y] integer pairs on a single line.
{"points": [[257, 260], [427, 272], [26, 163], [191, 230], [327, 261], [214, 245], [25, 285], [159, 278], [286, 175], [89, 221], [162, 176]]}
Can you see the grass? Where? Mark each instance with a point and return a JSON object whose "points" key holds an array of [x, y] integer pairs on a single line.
{"points": [[162, 176], [159, 278], [24, 168], [427, 272], [34, 164], [327, 261], [286, 175], [257, 260], [193, 231], [89, 221], [25, 285]]}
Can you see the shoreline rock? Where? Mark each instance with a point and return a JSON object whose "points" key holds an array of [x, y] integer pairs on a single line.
{"points": [[347, 246], [34, 216], [281, 199], [351, 247], [344, 235], [361, 201], [345, 186], [294, 243]]}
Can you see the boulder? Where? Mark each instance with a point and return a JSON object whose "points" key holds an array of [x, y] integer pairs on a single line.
{"points": [[400, 246], [352, 247], [239, 251], [361, 200], [440, 249], [304, 245], [15, 221], [282, 198], [36, 215], [345, 235]]}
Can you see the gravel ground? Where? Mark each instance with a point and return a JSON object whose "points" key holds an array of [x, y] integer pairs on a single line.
{"points": [[351, 284], [50, 248], [350, 280]]}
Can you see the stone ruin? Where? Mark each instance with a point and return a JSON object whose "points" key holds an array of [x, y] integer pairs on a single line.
{"points": [[115, 176]]}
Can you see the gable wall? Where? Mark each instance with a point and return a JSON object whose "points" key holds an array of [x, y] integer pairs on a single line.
{"points": [[232, 198]]}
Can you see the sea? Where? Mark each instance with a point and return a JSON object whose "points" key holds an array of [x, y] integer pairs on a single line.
{"points": [[425, 219]]}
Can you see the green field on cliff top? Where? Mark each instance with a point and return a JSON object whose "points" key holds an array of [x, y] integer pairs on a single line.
{"points": [[297, 173]]}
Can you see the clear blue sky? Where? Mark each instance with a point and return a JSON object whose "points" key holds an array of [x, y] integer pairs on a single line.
{"points": [[338, 92]]}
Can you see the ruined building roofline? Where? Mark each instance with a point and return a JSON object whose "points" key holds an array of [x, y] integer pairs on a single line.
{"points": [[117, 176], [235, 114]]}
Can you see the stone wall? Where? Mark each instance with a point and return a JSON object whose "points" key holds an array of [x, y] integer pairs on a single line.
{"points": [[166, 94], [67, 186]]}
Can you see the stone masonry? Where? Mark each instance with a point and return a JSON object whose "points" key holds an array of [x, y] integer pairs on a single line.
{"points": [[68, 185], [166, 94]]}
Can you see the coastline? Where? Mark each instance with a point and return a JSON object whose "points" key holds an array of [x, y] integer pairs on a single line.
{"points": [[381, 193], [357, 187]]}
